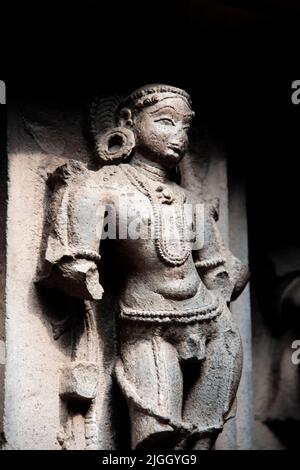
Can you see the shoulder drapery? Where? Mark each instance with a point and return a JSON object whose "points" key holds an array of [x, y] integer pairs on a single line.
{"points": [[75, 221]]}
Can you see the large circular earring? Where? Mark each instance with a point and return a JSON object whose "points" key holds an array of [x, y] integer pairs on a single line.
{"points": [[115, 144]]}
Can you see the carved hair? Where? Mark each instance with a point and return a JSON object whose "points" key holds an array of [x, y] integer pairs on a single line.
{"points": [[103, 114], [152, 94]]}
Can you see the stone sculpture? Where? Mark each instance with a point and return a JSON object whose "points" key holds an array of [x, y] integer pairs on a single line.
{"points": [[179, 352]]}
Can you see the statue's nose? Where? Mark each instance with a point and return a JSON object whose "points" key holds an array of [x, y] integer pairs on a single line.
{"points": [[182, 141], [182, 136]]}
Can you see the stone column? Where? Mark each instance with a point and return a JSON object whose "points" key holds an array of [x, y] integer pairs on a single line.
{"points": [[3, 197], [241, 308], [41, 137]]}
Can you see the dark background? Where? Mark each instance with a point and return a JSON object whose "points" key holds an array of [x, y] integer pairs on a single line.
{"points": [[230, 55]]}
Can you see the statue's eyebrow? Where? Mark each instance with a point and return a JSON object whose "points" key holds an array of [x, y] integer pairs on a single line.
{"points": [[163, 107], [189, 116]]}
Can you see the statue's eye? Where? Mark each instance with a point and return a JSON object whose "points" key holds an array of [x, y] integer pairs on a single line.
{"points": [[165, 121]]}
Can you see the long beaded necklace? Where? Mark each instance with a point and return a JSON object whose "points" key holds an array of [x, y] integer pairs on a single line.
{"points": [[158, 197]]}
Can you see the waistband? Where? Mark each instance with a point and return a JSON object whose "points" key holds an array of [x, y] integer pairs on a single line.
{"points": [[189, 315]]}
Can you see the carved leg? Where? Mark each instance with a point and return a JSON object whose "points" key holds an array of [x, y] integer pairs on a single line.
{"points": [[150, 377], [211, 397]]}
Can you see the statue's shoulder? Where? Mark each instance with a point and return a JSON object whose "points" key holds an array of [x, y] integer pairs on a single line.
{"points": [[190, 197], [210, 204], [75, 175], [111, 176], [72, 169]]}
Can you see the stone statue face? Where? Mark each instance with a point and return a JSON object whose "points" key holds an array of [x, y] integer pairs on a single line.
{"points": [[161, 131]]}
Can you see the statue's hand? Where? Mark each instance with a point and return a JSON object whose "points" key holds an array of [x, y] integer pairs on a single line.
{"points": [[241, 279], [229, 282], [218, 279], [80, 278]]}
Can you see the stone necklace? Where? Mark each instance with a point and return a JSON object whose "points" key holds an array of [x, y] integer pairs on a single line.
{"points": [[175, 253]]}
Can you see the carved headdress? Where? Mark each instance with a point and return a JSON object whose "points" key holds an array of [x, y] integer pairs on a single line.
{"points": [[115, 142], [152, 94]]}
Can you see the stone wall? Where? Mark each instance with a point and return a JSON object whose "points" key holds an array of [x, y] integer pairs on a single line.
{"points": [[42, 137]]}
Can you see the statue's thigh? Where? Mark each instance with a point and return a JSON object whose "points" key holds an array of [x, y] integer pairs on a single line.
{"points": [[151, 367], [210, 398], [150, 377]]}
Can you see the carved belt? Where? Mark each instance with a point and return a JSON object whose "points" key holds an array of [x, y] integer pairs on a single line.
{"points": [[188, 315]]}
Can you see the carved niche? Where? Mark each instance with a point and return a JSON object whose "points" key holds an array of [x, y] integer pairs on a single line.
{"points": [[149, 282]]}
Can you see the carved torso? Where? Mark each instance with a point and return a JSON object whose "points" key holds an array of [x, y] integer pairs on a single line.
{"points": [[162, 282]]}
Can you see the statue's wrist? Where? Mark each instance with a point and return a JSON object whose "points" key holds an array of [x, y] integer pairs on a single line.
{"points": [[80, 278]]}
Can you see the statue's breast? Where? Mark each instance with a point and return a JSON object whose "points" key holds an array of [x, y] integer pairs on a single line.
{"points": [[166, 226], [147, 210], [134, 215]]}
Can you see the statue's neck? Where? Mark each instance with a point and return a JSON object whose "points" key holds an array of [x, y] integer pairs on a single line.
{"points": [[152, 169]]}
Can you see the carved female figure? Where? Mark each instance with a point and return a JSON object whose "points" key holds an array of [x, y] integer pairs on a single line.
{"points": [[179, 351]]}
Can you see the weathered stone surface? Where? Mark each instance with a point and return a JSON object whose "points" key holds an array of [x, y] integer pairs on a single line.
{"points": [[125, 332], [172, 300], [3, 199], [38, 324], [79, 380]]}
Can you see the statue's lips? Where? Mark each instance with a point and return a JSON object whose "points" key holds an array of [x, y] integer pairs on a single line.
{"points": [[176, 148]]}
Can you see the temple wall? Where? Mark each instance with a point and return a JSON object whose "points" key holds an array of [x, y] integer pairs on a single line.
{"points": [[40, 139]]}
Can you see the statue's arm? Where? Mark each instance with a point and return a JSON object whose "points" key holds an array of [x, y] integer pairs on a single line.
{"points": [[219, 269], [74, 227]]}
